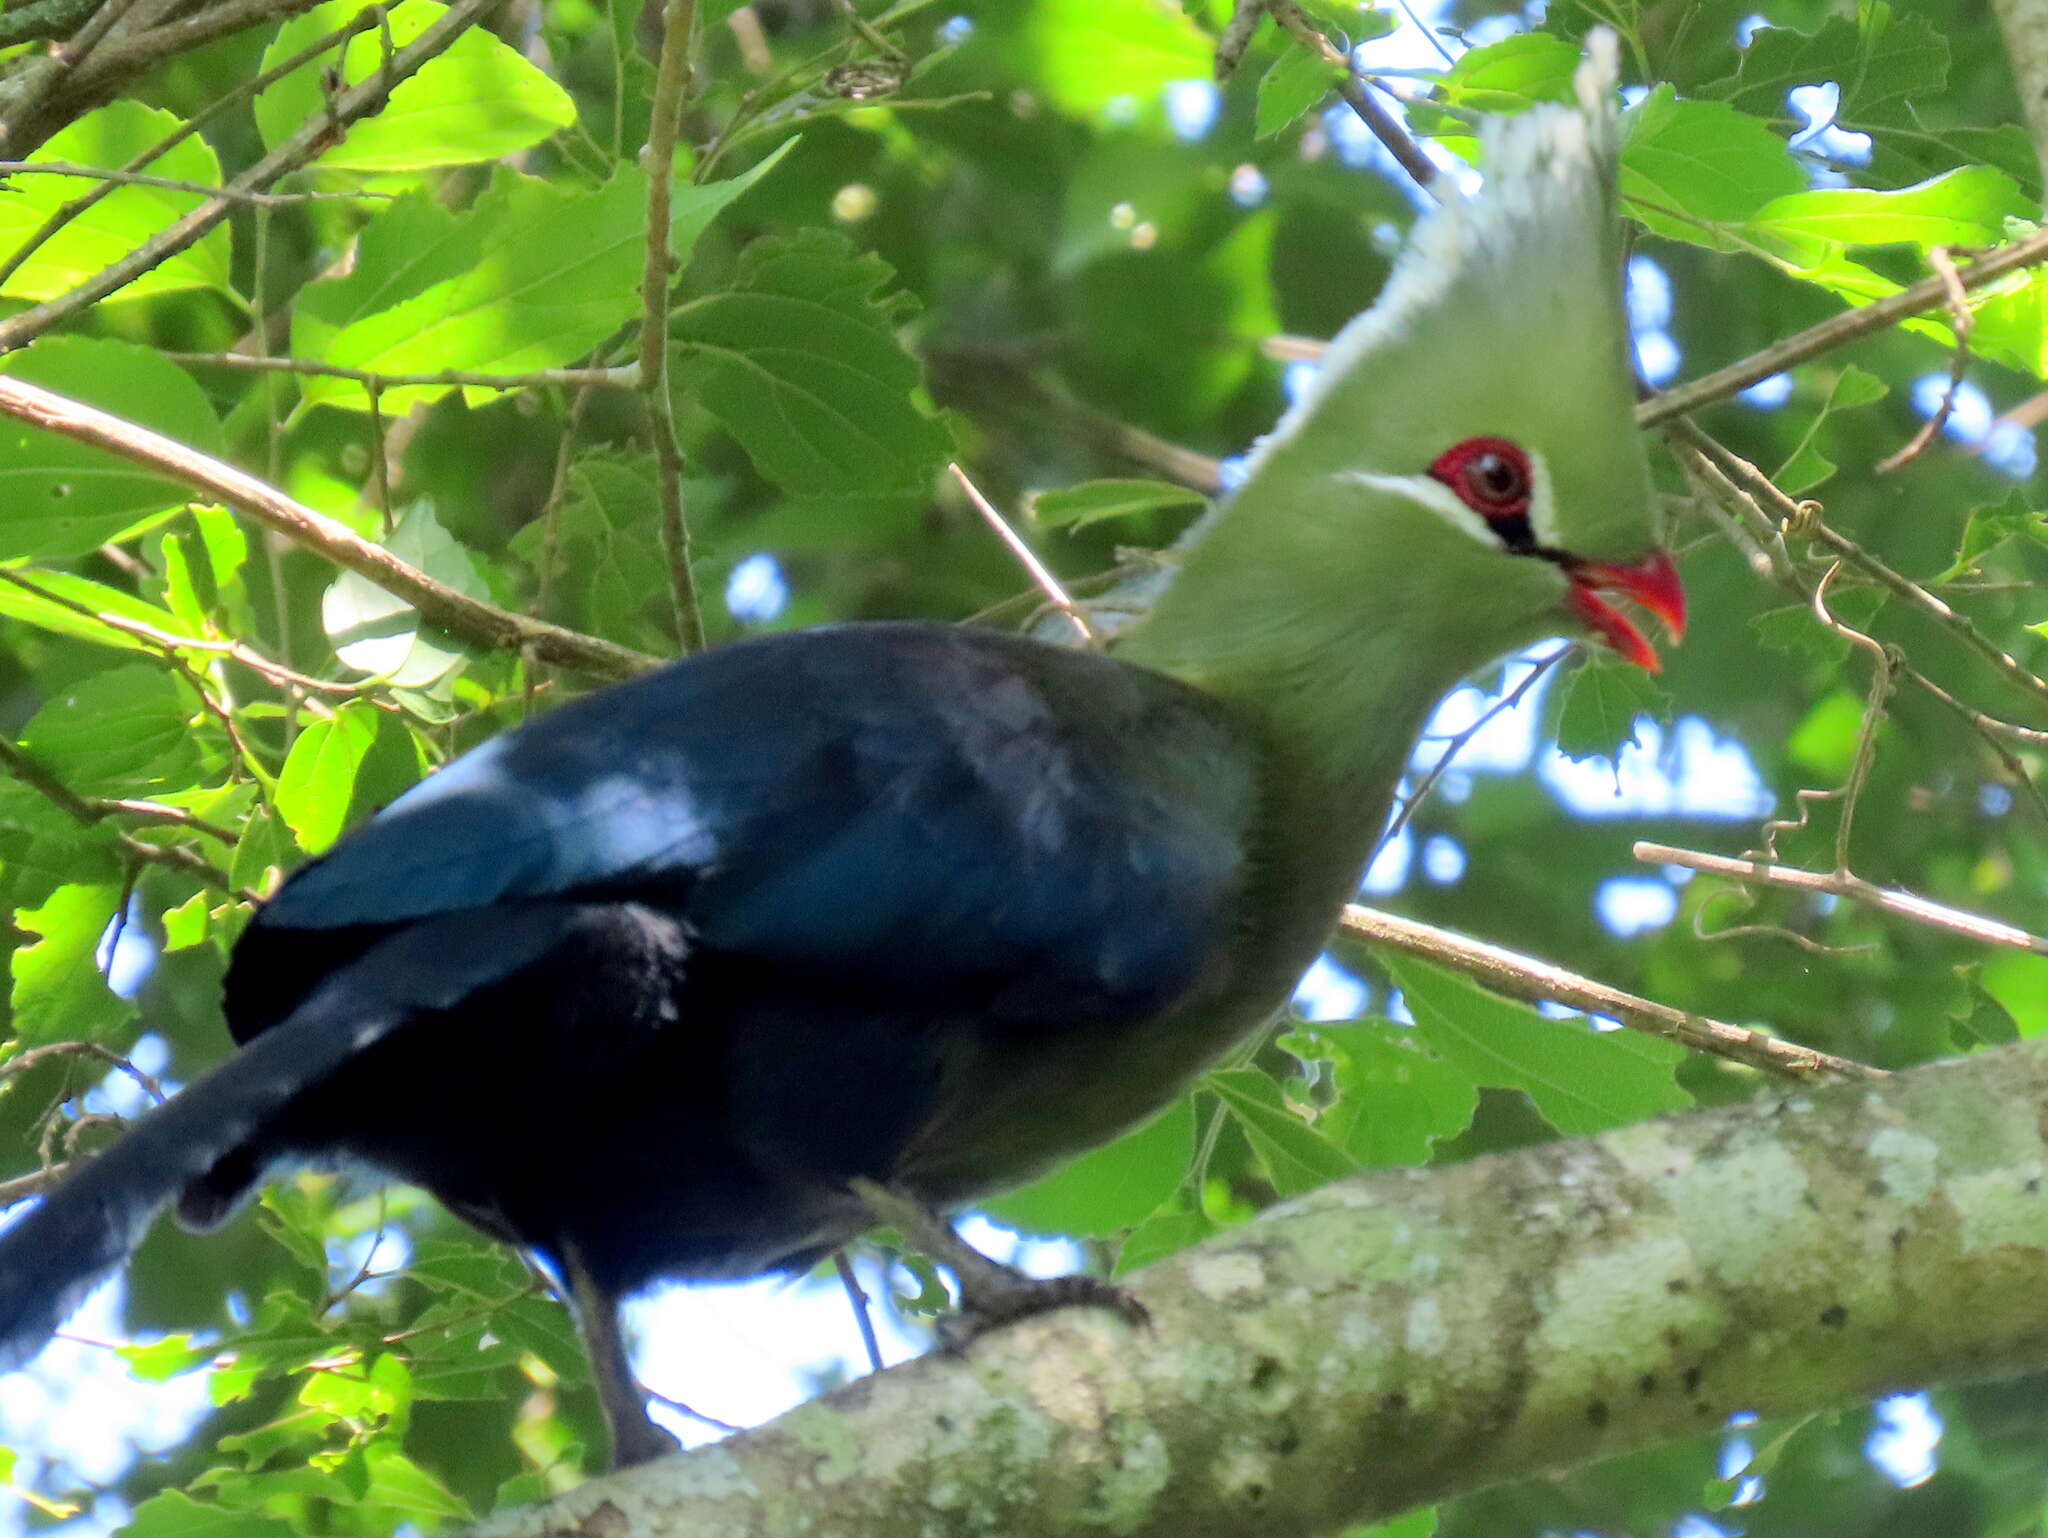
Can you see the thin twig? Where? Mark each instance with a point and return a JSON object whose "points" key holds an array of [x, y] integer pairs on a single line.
{"points": [[857, 1297], [23, 1061], [174, 184], [1837, 330], [1359, 98], [1041, 575], [1890, 900], [625, 377], [305, 143], [1525, 977], [1959, 322], [437, 603], [1458, 740], [672, 84]]}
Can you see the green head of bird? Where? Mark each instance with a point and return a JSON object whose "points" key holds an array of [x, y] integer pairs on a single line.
{"points": [[1465, 470]]}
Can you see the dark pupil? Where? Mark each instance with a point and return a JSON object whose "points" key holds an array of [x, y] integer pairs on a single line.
{"points": [[1495, 478]]}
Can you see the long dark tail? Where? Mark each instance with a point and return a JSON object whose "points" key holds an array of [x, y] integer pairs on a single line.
{"points": [[96, 1216]]}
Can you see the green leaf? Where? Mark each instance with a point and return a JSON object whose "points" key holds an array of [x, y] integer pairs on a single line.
{"points": [[799, 360], [1075, 507], [174, 1514], [1110, 1188], [541, 275], [59, 992], [1602, 702], [1297, 82], [342, 768], [127, 218], [379, 633], [1396, 1100], [1297, 1156], [1978, 1019], [1993, 526], [1161, 1235], [1881, 64], [1420, 1523], [477, 100], [314, 786], [1511, 74], [1806, 467], [1090, 53], [126, 732], [404, 1488], [1968, 206], [605, 530], [56, 614], [1581, 1081], [1698, 171], [67, 498]]}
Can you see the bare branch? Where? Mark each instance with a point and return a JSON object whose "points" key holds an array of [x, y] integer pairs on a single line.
{"points": [[437, 603], [1525, 977], [658, 158], [1890, 900]]}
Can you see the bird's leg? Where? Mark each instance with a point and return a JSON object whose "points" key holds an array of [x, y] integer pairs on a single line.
{"points": [[991, 1293], [635, 1438]]}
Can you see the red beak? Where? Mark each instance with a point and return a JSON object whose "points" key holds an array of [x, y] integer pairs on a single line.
{"points": [[1652, 582]]}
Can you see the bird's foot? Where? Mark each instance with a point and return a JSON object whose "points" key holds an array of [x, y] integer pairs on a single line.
{"points": [[636, 1439], [991, 1294], [992, 1302]]}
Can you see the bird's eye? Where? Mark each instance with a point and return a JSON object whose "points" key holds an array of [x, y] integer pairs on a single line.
{"points": [[1490, 476]]}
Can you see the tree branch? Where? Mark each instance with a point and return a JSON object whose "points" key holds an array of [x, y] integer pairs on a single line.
{"points": [[1417, 1334], [672, 84], [437, 603], [1525, 977]]}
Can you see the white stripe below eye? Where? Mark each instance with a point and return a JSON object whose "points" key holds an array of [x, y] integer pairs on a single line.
{"points": [[1431, 493]]}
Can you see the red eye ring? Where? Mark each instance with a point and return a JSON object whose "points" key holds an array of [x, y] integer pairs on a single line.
{"points": [[1490, 475]]}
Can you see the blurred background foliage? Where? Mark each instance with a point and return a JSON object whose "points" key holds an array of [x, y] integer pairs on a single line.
{"points": [[1032, 236]]}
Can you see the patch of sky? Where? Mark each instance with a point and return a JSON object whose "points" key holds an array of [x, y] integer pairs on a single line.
{"points": [[118, 1094], [1649, 316], [1823, 138], [1768, 393], [2007, 447], [1491, 29], [1994, 800], [1904, 1446], [1247, 186], [956, 29], [1232, 472], [1747, 28], [74, 1407], [1296, 378], [1633, 905], [1357, 148], [126, 953], [1191, 108], [1690, 772], [1737, 1453], [1330, 992], [748, 1351], [376, 1257], [1389, 869], [1693, 1525], [1507, 742], [757, 591], [1443, 859]]}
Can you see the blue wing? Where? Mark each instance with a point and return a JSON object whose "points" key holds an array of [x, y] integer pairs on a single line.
{"points": [[920, 803]]}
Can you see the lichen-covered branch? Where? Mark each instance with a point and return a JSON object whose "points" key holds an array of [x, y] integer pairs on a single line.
{"points": [[1410, 1335]]}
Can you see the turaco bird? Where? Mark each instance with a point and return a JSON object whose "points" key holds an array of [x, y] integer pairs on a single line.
{"points": [[693, 976]]}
